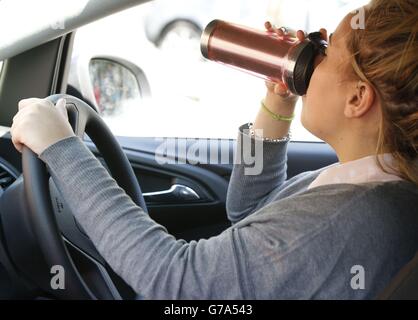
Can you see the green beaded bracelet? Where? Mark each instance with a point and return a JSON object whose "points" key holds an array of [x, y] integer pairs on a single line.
{"points": [[277, 117]]}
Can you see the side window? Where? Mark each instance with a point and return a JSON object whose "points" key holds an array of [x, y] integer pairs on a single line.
{"points": [[143, 70]]}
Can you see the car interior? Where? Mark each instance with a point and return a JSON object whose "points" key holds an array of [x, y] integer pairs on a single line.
{"points": [[36, 227]]}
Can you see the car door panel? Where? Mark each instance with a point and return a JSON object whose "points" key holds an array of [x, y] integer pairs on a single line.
{"points": [[187, 219]]}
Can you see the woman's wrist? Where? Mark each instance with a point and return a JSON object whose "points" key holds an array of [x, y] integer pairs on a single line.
{"points": [[283, 107], [279, 105], [271, 128], [277, 116]]}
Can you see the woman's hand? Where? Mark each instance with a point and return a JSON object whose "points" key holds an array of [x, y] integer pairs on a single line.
{"points": [[278, 99], [39, 124], [278, 93]]}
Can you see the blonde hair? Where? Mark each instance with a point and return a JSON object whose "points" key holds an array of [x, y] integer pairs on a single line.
{"points": [[385, 54]]}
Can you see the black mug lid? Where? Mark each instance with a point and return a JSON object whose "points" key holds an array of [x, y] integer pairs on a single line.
{"points": [[305, 63]]}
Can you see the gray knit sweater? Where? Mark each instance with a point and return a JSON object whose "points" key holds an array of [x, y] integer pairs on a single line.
{"points": [[285, 241]]}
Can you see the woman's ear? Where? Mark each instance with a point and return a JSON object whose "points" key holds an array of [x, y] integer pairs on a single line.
{"points": [[360, 99]]}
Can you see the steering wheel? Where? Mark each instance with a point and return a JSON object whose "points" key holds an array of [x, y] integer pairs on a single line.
{"points": [[42, 218]]}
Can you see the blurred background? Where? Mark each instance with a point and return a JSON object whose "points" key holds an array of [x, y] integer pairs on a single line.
{"points": [[143, 70]]}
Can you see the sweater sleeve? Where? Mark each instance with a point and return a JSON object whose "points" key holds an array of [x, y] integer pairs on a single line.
{"points": [[299, 247], [151, 261], [254, 176]]}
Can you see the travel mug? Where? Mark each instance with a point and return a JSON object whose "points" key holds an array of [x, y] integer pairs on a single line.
{"points": [[263, 53]]}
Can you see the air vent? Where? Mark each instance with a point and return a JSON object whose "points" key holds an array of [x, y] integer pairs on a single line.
{"points": [[6, 177]]}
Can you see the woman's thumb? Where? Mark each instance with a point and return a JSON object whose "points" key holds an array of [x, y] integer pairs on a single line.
{"points": [[61, 106]]}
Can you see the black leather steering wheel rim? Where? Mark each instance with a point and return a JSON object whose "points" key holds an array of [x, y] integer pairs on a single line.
{"points": [[42, 218]]}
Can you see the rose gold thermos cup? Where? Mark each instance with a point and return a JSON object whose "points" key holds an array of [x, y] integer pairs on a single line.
{"points": [[263, 53]]}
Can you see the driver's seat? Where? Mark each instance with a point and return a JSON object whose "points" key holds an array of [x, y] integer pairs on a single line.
{"points": [[405, 285]]}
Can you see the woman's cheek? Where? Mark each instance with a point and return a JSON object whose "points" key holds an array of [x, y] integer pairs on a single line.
{"points": [[311, 102]]}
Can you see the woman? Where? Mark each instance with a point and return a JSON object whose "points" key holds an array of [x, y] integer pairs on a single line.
{"points": [[340, 232]]}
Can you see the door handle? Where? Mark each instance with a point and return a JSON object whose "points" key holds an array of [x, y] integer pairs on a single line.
{"points": [[176, 193]]}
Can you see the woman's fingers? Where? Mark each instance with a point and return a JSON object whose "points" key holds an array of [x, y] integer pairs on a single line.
{"points": [[281, 32], [268, 26], [25, 102], [324, 34], [17, 120], [16, 137], [28, 102], [281, 90], [270, 85], [278, 88], [301, 35], [61, 106], [285, 32]]}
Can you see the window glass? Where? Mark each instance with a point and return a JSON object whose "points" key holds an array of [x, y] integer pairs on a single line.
{"points": [[176, 92]]}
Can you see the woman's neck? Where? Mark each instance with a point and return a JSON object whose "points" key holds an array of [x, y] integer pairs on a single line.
{"points": [[351, 148]]}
